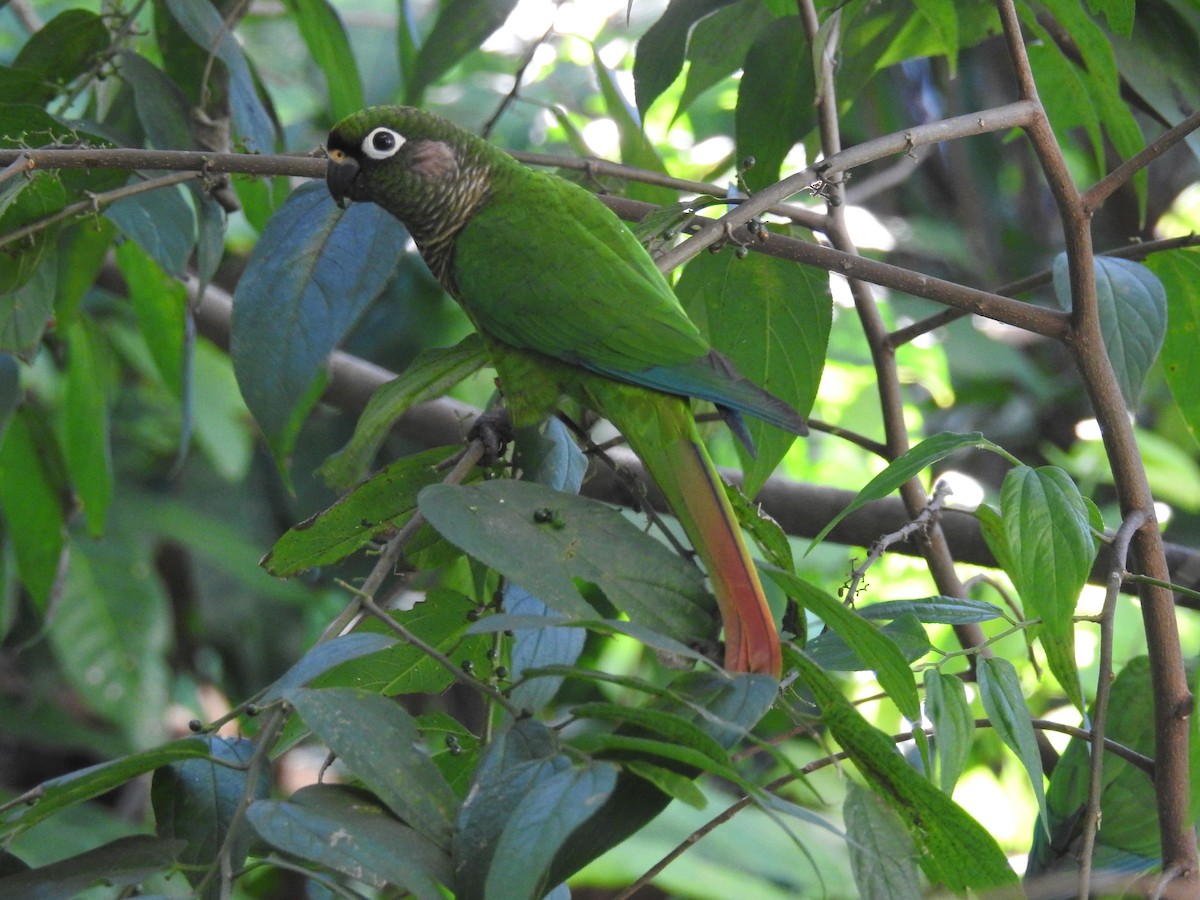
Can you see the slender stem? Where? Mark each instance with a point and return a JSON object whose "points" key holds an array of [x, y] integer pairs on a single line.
{"points": [[1103, 189]]}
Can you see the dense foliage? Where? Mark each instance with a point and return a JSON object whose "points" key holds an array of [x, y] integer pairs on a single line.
{"points": [[234, 542]]}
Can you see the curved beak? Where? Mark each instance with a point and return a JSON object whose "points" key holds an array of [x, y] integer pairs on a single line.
{"points": [[340, 175]]}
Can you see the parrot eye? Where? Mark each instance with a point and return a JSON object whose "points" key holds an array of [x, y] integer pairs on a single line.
{"points": [[382, 143]]}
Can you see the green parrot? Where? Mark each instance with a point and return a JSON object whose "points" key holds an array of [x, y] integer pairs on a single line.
{"points": [[569, 303]]}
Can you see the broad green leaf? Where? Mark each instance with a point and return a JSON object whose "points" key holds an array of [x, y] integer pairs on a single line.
{"points": [[873, 647], [953, 725], [769, 122], [636, 149], [939, 610], [462, 25], [830, 651], [1179, 272], [883, 857], [312, 273], [338, 827], [1004, 703], [59, 793], [1048, 533], [61, 50], [670, 782], [430, 375], [369, 512], [943, 19], [26, 312], [955, 849], [661, 50], [1117, 13], [86, 446], [121, 863], [41, 196], [325, 37], [82, 252], [1133, 316], [162, 222], [162, 108], [772, 318], [195, 801], [453, 749], [204, 25], [31, 495], [544, 540], [907, 466], [718, 46], [391, 764], [160, 304], [325, 656]]}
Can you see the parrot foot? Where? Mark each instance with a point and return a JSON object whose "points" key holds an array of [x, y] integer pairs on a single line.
{"points": [[494, 430]]}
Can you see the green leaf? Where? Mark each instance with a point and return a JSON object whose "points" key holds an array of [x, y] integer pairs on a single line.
{"points": [[1133, 316], [160, 304], [61, 50], [544, 540], [162, 222], [953, 725], [41, 196], [676, 729], [347, 831], [325, 656], [1004, 703], [942, 17], [1179, 271], [26, 311], [907, 466], [772, 318], [719, 44], [670, 782], [636, 149], [1048, 533], [313, 272], [830, 651], [769, 122], [369, 512], [120, 863], [162, 108], [882, 855], [57, 794], [325, 37], [429, 376], [462, 25], [195, 801], [204, 25], [935, 610], [661, 50], [86, 442], [770, 538], [31, 495], [10, 390], [390, 764], [955, 849], [872, 646], [453, 749]]}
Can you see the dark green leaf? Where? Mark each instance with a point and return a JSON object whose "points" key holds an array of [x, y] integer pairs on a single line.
{"points": [[1133, 316], [769, 122], [872, 646], [771, 539], [1004, 702], [347, 831], [208, 30], [369, 512], [325, 656], [162, 108], [670, 782], [675, 728], [935, 610], [85, 424], [82, 252], [453, 748], [830, 651], [195, 801], [953, 725], [162, 222], [772, 318], [312, 273], [59, 793], [544, 540], [882, 855], [31, 495], [462, 25], [160, 303], [533, 648], [1179, 271], [123, 862], [661, 50], [62, 50], [719, 44], [42, 196], [26, 311], [10, 390], [907, 466], [391, 764], [954, 848], [325, 37], [430, 375]]}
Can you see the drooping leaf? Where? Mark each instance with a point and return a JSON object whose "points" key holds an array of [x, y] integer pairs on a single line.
{"points": [[544, 540], [159, 302], [162, 108], [391, 764], [162, 222], [1132, 305], [636, 149], [772, 318], [347, 831], [661, 50], [325, 37], [312, 273], [953, 725], [1179, 272], [1004, 703], [462, 25], [120, 863], [883, 857], [86, 445]]}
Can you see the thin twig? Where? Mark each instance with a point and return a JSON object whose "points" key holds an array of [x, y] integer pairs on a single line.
{"points": [[1103, 189]]}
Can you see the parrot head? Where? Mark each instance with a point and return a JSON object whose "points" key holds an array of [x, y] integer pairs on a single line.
{"points": [[424, 170]]}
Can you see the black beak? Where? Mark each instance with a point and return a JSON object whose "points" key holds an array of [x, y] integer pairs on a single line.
{"points": [[340, 175]]}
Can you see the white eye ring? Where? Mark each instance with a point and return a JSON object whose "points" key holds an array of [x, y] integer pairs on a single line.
{"points": [[382, 143]]}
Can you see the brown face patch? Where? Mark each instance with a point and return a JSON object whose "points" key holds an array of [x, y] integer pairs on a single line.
{"points": [[434, 160]]}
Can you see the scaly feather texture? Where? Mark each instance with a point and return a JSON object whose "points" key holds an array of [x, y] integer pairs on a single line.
{"points": [[570, 304]]}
